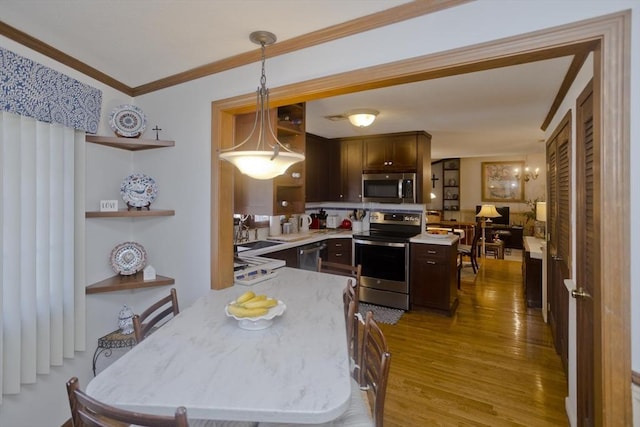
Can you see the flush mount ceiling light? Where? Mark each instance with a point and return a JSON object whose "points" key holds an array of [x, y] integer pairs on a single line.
{"points": [[262, 163], [362, 117]]}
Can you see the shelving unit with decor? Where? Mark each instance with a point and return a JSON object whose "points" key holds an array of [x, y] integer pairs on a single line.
{"points": [[134, 281], [451, 185], [285, 194]]}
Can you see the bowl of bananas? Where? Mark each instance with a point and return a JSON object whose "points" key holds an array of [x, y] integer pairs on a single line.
{"points": [[254, 312]]}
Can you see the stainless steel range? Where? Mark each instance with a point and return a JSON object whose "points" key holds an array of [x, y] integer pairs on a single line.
{"points": [[383, 252]]}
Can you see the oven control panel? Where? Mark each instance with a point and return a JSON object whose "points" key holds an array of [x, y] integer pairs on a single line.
{"points": [[398, 218]]}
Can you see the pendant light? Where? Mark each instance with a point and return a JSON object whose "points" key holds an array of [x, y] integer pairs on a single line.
{"points": [[268, 160]]}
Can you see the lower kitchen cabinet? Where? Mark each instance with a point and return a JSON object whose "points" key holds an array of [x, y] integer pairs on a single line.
{"points": [[289, 256], [532, 278], [433, 277], [339, 251]]}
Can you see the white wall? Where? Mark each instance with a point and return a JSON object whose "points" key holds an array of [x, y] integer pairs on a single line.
{"points": [[179, 246]]}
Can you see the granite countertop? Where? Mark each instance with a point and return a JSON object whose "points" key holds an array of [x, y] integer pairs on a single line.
{"points": [[534, 245], [295, 371], [295, 240], [441, 239]]}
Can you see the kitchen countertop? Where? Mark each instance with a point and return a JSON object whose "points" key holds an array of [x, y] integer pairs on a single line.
{"points": [[445, 240], [295, 371], [312, 236], [534, 245]]}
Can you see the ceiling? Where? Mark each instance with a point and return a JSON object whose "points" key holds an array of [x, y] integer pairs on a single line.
{"points": [[135, 42]]}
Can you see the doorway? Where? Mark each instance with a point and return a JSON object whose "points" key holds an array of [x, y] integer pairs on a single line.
{"points": [[612, 348]]}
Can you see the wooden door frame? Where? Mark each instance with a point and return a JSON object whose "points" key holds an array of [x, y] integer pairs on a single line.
{"points": [[610, 34]]}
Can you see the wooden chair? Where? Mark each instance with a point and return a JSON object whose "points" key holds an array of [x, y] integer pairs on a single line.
{"points": [[352, 322], [367, 397], [86, 411], [375, 361], [344, 270], [471, 250], [156, 313]]}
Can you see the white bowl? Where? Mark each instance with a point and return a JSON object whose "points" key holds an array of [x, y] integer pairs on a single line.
{"points": [[260, 322]]}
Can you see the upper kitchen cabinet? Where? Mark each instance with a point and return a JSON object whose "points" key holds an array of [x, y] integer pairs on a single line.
{"points": [[350, 189], [284, 194], [397, 152], [322, 164]]}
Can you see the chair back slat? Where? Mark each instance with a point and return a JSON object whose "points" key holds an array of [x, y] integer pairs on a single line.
{"points": [[144, 323], [89, 412]]}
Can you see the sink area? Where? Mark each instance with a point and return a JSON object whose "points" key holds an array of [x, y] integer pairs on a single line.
{"points": [[256, 244]]}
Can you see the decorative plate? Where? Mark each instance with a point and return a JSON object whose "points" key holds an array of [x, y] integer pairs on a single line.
{"points": [[138, 190], [128, 121], [128, 258], [260, 322]]}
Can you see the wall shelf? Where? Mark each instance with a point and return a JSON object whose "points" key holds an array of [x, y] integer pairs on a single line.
{"points": [[124, 283], [131, 144], [123, 213]]}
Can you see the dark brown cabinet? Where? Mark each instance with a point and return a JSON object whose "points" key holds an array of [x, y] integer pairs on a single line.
{"points": [[323, 169], [289, 256], [339, 251], [433, 277], [350, 171], [532, 278], [390, 153]]}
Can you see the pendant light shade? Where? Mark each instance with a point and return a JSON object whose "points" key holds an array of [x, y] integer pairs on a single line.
{"points": [[362, 117], [262, 163]]}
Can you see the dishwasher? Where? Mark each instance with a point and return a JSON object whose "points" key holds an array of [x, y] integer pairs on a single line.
{"points": [[308, 256]]}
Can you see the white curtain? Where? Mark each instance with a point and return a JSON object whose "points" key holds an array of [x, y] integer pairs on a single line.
{"points": [[42, 294]]}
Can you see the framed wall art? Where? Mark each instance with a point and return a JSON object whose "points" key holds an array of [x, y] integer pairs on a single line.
{"points": [[499, 182]]}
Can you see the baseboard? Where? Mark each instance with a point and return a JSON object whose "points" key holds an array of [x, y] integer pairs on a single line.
{"points": [[635, 403], [571, 415]]}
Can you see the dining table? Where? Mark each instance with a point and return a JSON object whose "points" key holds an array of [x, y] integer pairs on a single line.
{"points": [[296, 370]]}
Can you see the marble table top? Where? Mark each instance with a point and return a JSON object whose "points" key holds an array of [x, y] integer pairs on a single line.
{"points": [[295, 371]]}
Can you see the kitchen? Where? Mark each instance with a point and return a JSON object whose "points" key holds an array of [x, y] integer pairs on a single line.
{"points": [[191, 266]]}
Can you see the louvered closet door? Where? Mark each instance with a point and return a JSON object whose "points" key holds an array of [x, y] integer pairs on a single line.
{"points": [[587, 256], [559, 234]]}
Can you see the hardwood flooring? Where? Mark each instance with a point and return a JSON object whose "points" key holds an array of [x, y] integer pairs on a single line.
{"points": [[491, 364]]}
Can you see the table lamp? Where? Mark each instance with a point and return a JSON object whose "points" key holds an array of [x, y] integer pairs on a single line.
{"points": [[541, 219], [486, 213]]}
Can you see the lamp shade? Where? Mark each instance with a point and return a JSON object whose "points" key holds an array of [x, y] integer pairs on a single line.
{"points": [[488, 211], [541, 211], [362, 117], [262, 164]]}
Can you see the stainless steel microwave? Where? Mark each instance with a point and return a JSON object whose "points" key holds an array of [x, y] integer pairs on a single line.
{"points": [[389, 187]]}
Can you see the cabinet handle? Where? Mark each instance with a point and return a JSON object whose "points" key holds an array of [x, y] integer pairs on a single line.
{"points": [[296, 175], [338, 245], [284, 203], [431, 262], [431, 252]]}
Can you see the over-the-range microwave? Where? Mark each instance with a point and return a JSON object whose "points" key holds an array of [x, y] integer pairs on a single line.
{"points": [[389, 187]]}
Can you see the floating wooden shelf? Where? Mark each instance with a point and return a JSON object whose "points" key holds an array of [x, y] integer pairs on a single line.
{"points": [[124, 283], [123, 213], [131, 144]]}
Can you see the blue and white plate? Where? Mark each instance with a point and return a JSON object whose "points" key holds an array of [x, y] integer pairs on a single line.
{"points": [[138, 190], [128, 121], [128, 258]]}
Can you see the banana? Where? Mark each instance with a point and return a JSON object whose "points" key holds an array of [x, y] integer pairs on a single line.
{"points": [[265, 303], [240, 311], [254, 299], [245, 297]]}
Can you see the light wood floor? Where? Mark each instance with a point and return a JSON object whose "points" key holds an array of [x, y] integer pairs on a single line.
{"points": [[491, 364]]}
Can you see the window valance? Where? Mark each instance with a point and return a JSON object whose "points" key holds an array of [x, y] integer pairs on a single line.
{"points": [[31, 89]]}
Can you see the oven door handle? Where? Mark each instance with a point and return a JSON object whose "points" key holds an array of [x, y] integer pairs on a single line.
{"points": [[377, 243]]}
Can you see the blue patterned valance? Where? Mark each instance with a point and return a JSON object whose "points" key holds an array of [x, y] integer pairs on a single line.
{"points": [[31, 89]]}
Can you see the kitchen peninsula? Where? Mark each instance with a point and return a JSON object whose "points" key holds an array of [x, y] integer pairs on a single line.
{"points": [[203, 360]]}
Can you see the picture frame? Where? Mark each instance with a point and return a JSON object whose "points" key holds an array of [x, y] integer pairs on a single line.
{"points": [[499, 181]]}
